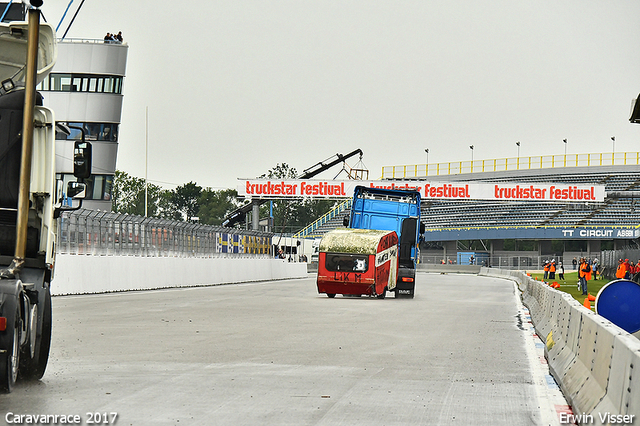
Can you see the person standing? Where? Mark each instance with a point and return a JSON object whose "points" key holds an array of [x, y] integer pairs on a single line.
{"points": [[575, 262], [546, 270], [595, 268], [560, 272], [622, 269], [627, 273], [585, 275]]}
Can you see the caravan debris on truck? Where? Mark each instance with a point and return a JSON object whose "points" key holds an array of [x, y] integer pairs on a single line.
{"points": [[357, 262]]}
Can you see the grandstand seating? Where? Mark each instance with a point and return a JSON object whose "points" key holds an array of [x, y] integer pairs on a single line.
{"points": [[517, 214]]}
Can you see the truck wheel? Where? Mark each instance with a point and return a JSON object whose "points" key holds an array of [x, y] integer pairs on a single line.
{"points": [[383, 294], [11, 359], [331, 295], [33, 369]]}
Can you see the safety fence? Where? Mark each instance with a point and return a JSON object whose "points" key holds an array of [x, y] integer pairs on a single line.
{"points": [[592, 359], [515, 262], [610, 259], [95, 232], [505, 262], [513, 163]]}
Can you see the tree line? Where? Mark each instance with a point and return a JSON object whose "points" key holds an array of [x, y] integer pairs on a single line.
{"points": [[210, 206]]}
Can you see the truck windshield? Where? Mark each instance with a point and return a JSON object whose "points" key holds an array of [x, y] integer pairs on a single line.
{"points": [[347, 262]]}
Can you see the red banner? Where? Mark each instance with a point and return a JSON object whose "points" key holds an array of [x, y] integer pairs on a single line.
{"points": [[558, 192]]}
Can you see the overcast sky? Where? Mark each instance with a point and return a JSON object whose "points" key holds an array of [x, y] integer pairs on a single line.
{"points": [[235, 87]]}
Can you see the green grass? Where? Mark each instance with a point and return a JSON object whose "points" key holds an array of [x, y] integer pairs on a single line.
{"points": [[570, 285]]}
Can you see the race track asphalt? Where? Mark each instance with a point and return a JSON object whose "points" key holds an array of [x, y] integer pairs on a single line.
{"points": [[279, 353]]}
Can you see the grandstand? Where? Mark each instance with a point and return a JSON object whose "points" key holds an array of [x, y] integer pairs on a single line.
{"points": [[449, 222]]}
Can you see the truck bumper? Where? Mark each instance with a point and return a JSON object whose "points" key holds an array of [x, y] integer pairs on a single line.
{"points": [[406, 284], [366, 287]]}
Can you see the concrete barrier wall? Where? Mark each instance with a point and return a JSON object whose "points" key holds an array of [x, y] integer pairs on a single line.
{"points": [[78, 274], [449, 269], [596, 363]]}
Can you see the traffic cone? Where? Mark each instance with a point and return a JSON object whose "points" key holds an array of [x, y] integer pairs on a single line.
{"points": [[586, 303], [591, 297]]}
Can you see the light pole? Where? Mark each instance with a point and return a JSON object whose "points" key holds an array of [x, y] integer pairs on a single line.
{"points": [[426, 166], [518, 145], [146, 160], [471, 147], [565, 147], [613, 139]]}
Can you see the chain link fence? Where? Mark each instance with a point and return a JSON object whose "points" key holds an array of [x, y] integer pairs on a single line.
{"points": [[504, 262], [610, 260], [101, 233]]}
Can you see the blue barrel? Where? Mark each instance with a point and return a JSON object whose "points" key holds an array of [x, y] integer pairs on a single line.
{"points": [[619, 302]]}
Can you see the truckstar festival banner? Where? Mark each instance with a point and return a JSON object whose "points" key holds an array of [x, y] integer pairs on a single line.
{"points": [[558, 192]]}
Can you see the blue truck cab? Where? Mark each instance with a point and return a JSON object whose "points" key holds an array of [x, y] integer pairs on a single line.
{"points": [[392, 210]]}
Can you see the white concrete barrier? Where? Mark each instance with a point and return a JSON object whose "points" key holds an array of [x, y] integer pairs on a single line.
{"points": [[78, 274], [449, 269], [596, 363]]}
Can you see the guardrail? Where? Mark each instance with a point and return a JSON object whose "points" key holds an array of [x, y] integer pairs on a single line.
{"points": [[595, 362], [89, 40], [513, 163], [103, 233]]}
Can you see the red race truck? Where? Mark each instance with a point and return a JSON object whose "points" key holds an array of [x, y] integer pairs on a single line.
{"points": [[357, 262]]}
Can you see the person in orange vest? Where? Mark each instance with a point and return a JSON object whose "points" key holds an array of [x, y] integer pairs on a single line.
{"points": [[584, 272], [546, 270], [580, 274], [622, 269], [552, 270]]}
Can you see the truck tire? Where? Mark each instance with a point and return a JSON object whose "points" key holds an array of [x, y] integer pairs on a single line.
{"points": [[34, 368], [10, 360], [383, 294], [331, 295]]}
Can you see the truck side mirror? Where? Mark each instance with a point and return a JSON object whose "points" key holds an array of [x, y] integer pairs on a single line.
{"points": [[345, 222], [422, 228], [77, 190], [82, 160]]}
